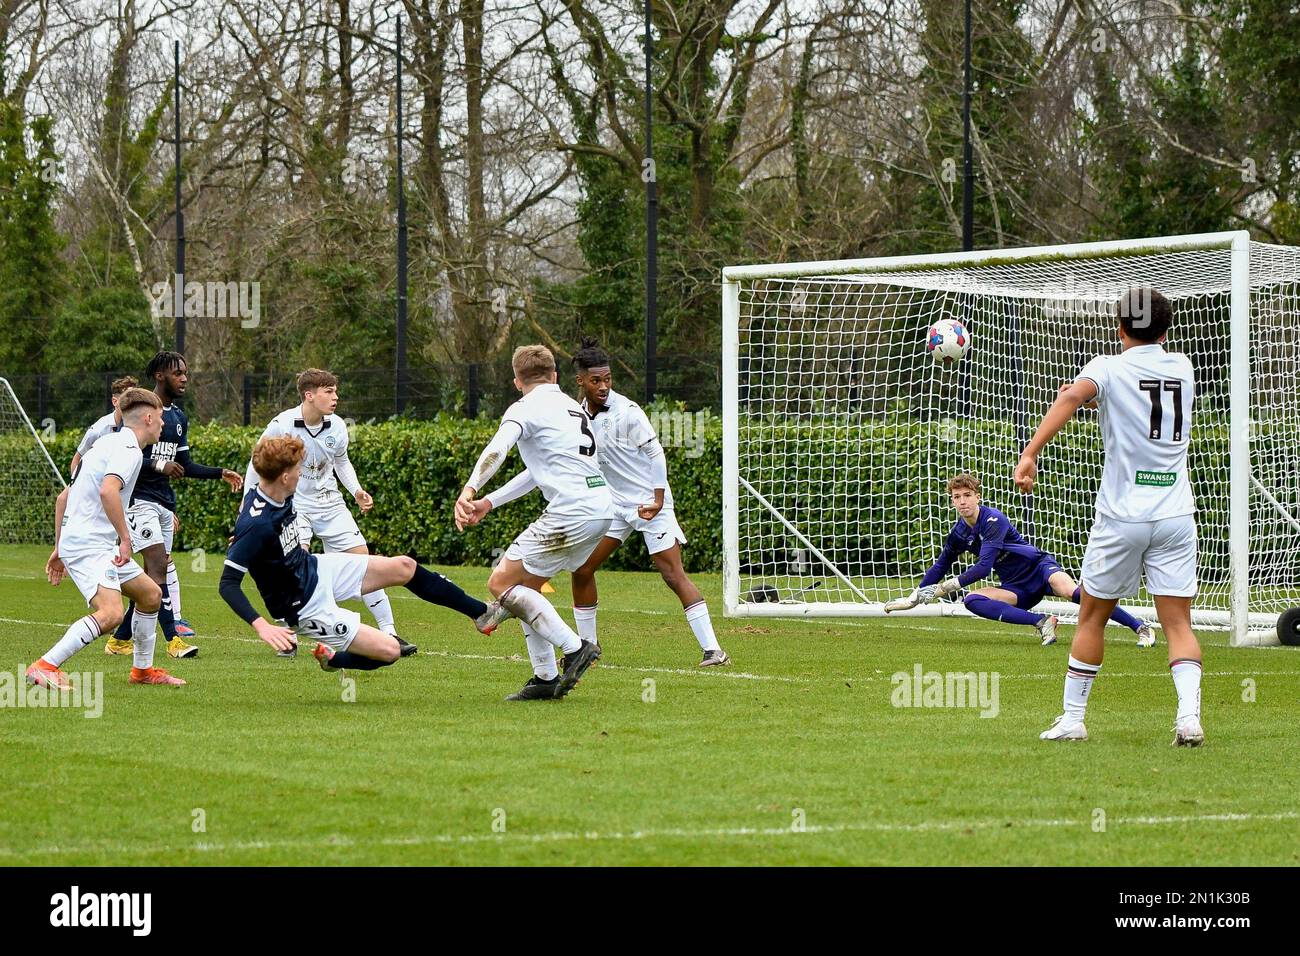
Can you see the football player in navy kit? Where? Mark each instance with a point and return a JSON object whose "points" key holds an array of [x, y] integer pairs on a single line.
{"points": [[152, 517]]}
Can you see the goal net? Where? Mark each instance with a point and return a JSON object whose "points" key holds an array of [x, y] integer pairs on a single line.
{"points": [[840, 431], [29, 480]]}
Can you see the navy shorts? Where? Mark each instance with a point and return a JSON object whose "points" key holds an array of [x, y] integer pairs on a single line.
{"points": [[1030, 588]]}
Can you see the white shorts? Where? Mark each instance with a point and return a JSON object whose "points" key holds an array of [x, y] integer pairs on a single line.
{"points": [[1120, 552], [335, 527], [150, 524], [555, 543], [91, 570], [661, 532], [338, 578]]}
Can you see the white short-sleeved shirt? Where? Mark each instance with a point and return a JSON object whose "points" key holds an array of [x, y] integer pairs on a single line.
{"points": [[85, 525], [559, 450], [622, 429], [1145, 397], [325, 444], [97, 431]]}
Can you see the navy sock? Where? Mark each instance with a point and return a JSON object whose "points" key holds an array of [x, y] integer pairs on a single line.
{"points": [[123, 632], [986, 607], [166, 619], [434, 588], [1119, 615], [356, 662]]}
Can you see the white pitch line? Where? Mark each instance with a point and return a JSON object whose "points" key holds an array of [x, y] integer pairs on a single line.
{"points": [[613, 836]]}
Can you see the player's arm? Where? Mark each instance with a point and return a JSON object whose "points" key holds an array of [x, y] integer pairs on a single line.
{"points": [[489, 462], [518, 486], [192, 469], [928, 589], [54, 569], [1068, 401], [654, 454], [347, 473], [232, 592]]}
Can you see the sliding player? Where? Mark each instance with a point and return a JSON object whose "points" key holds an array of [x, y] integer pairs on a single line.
{"points": [[632, 461], [320, 507], [303, 589], [92, 545], [109, 423], [559, 450], [153, 504], [1146, 515], [1026, 574]]}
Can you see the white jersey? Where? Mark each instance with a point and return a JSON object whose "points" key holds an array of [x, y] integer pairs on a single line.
{"points": [[95, 432], [559, 450], [85, 525], [622, 433], [326, 447], [1145, 397]]}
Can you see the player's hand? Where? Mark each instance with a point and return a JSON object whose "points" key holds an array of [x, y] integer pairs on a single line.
{"points": [[1026, 472], [363, 499], [280, 638], [173, 469], [233, 478], [464, 508], [647, 512], [54, 568], [904, 603], [927, 594], [123, 553]]}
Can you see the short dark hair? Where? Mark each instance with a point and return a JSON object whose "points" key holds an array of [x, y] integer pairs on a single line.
{"points": [[964, 480], [590, 355], [314, 378], [1145, 314], [164, 361], [120, 385]]}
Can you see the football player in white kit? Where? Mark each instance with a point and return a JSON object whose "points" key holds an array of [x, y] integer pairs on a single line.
{"points": [[321, 510], [559, 450], [632, 461], [1145, 522], [109, 423], [92, 545]]}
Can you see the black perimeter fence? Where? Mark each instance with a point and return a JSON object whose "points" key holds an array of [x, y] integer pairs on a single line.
{"points": [[74, 399]]}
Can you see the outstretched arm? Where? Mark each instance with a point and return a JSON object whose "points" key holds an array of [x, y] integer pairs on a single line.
{"points": [[232, 592], [1068, 401], [194, 470]]}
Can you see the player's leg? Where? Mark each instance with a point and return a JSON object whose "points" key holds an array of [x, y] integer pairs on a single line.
{"points": [[669, 563], [377, 601], [1170, 565], [184, 629], [147, 597], [1112, 568], [585, 598], [96, 578], [369, 649], [338, 532], [1011, 606], [1063, 585], [383, 572]]}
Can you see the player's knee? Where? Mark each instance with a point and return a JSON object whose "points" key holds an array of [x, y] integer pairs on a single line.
{"points": [[151, 597], [391, 652], [108, 618], [406, 566], [498, 582]]}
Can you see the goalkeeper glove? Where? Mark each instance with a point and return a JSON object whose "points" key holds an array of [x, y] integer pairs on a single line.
{"points": [[904, 603], [944, 588]]}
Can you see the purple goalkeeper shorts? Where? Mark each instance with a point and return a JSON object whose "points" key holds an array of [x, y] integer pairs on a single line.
{"points": [[1032, 586]]}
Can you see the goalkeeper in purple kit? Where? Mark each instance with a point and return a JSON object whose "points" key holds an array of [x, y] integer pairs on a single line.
{"points": [[1025, 574]]}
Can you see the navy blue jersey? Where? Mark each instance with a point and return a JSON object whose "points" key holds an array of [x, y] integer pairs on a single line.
{"points": [[266, 546], [998, 547], [152, 484]]}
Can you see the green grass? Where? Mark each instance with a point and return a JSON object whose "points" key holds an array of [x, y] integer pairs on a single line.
{"points": [[713, 771]]}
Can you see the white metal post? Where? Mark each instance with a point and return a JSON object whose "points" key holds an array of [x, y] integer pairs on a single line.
{"points": [[1239, 441], [730, 446]]}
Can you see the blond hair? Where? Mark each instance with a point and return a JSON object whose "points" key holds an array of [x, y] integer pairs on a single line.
{"points": [[532, 364], [134, 398]]}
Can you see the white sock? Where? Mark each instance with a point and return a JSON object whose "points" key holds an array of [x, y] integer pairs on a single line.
{"points": [[174, 588], [697, 616], [542, 654], [382, 609], [76, 637], [1078, 682], [535, 611], [143, 628], [1187, 681], [585, 618]]}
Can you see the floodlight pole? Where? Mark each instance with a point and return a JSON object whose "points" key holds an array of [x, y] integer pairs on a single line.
{"points": [[967, 178], [400, 377], [178, 283], [651, 224]]}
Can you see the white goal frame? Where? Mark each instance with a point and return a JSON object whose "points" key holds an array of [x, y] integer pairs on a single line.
{"points": [[1245, 628]]}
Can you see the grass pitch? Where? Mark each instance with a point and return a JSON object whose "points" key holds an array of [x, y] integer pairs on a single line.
{"points": [[794, 755]]}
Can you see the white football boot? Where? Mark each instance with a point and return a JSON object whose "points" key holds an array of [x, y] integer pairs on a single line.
{"points": [[1188, 733], [1146, 636], [1061, 730], [1047, 629]]}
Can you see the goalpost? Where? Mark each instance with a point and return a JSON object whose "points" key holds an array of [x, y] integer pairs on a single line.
{"points": [[840, 431], [29, 479]]}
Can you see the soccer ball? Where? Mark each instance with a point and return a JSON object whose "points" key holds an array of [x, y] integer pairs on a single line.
{"points": [[948, 341]]}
